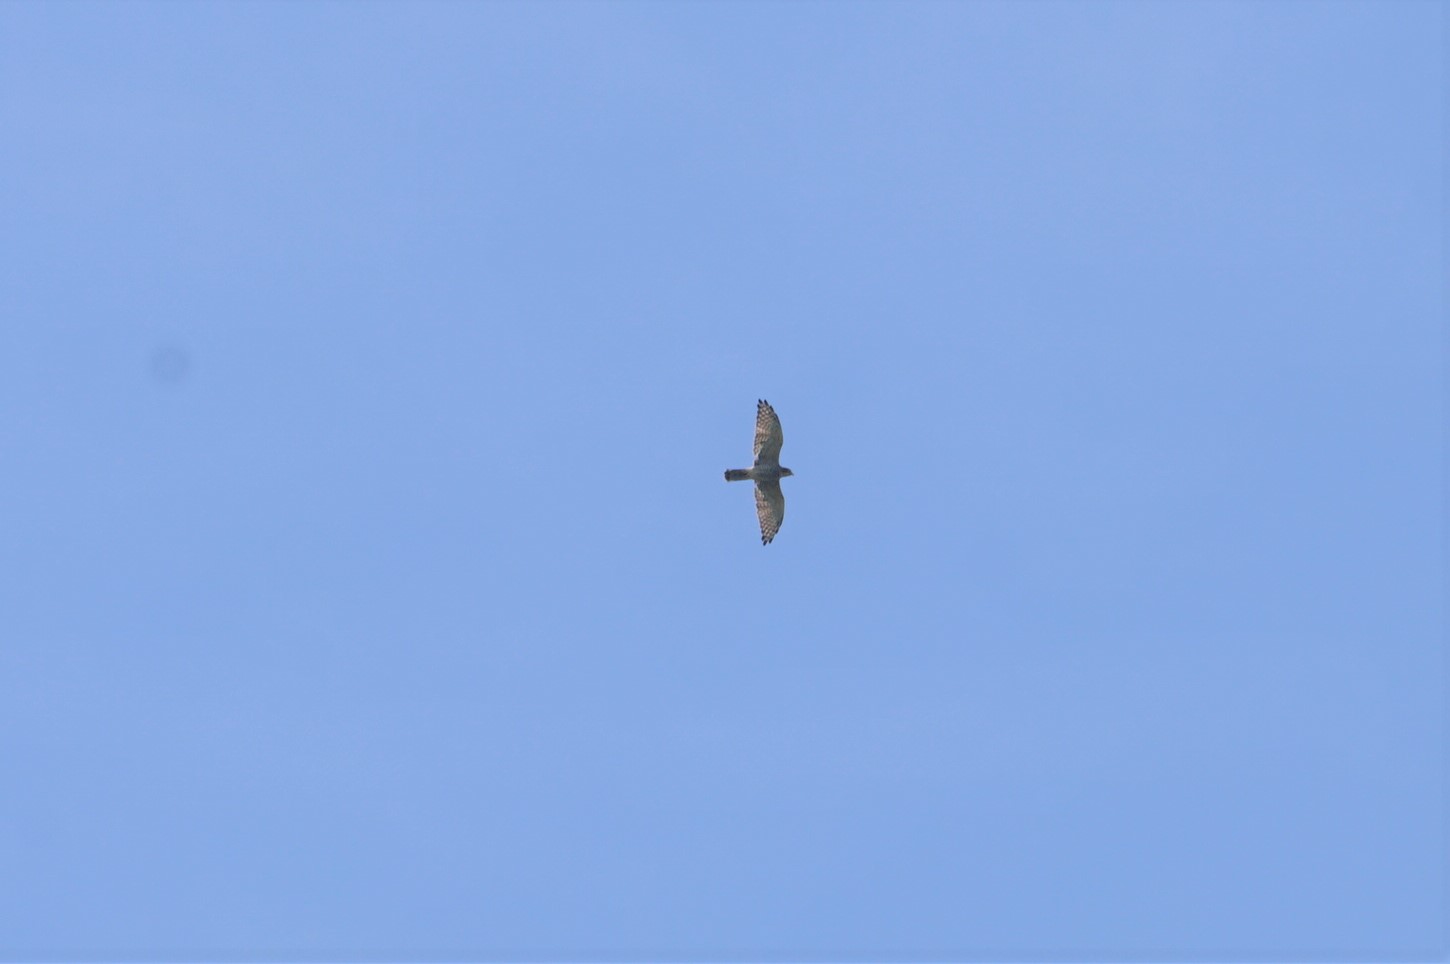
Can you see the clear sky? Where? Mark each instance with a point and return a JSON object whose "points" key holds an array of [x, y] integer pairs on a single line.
{"points": [[369, 587]]}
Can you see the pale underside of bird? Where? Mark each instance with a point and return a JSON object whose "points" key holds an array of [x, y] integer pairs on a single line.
{"points": [[766, 473]]}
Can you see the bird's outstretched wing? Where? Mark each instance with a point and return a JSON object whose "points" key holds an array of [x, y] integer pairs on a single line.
{"points": [[770, 508], [768, 437]]}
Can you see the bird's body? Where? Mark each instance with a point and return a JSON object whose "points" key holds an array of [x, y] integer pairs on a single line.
{"points": [[757, 473], [766, 473]]}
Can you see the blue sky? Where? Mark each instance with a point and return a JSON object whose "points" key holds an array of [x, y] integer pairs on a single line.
{"points": [[368, 584]]}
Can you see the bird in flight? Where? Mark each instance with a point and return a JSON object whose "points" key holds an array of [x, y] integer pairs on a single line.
{"points": [[766, 473]]}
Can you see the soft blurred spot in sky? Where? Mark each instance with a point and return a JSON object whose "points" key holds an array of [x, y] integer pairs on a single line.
{"points": [[368, 585]]}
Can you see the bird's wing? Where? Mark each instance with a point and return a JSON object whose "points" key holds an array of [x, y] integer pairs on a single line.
{"points": [[768, 437], [770, 508]]}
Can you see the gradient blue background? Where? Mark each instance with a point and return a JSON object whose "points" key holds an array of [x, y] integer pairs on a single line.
{"points": [[368, 586]]}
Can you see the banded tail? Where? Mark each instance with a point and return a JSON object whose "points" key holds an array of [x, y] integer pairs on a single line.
{"points": [[737, 475]]}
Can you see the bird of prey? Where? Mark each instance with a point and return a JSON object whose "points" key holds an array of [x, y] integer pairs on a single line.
{"points": [[766, 473]]}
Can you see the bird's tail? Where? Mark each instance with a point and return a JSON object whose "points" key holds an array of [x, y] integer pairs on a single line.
{"points": [[737, 475]]}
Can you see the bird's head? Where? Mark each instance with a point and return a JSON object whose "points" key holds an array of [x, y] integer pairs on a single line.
{"points": [[785, 471]]}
